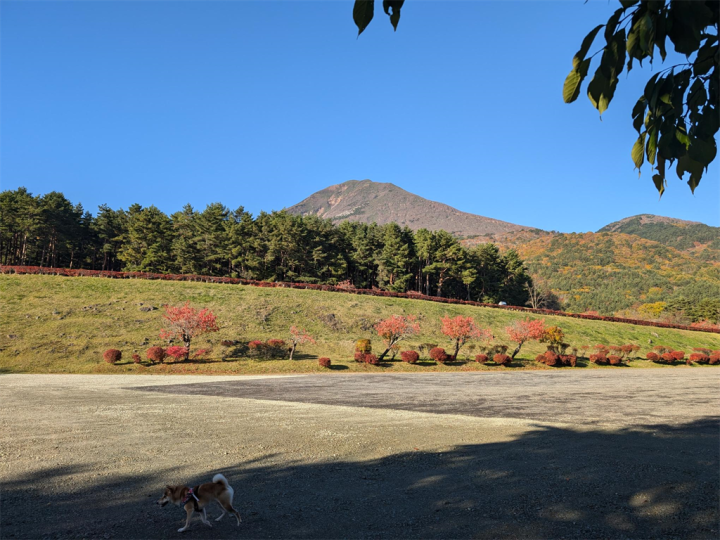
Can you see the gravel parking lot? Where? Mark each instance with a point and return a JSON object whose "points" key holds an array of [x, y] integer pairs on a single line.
{"points": [[568, 454]]}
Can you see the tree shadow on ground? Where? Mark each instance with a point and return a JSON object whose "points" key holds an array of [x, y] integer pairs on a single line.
{"points": [[550, 482]]}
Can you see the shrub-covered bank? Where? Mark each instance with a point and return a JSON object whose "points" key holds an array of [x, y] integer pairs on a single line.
{"points": [[51, 324]]}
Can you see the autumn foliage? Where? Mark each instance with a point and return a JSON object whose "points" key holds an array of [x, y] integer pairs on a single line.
{"points": [[439, 355], [112, 355], [298, 336], [523, 331], [178, 353], [185, 323], [324, 362], [410, 357], [394, 329], [461, 330], [155, 354]]}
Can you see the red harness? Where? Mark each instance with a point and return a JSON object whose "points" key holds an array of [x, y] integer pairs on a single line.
{"points": [[191, 496]]}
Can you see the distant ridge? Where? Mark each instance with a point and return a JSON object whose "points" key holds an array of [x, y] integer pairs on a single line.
{"points": [[645, 219], [367, 202]]}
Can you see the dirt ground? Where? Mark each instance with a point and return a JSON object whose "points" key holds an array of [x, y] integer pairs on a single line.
{"points": [[606, 454]]}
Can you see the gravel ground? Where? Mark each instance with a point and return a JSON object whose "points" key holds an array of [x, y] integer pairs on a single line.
{"points": [[608, 454]]}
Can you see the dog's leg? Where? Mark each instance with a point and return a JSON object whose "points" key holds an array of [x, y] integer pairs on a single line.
{"points": [[203, 517], [189, 510], [230, 509], [222, 508]]}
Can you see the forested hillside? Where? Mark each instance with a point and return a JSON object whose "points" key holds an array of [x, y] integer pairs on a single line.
{"points": [[49, 230], [615, 273], [612, 273], [697, 238]]}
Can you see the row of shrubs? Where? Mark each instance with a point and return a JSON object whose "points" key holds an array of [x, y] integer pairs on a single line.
{"points": [[372, 292], [156, 355], [665, 355]]}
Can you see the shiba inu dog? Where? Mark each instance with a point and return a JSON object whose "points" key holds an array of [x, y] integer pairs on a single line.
{"points": [[197, 498]]}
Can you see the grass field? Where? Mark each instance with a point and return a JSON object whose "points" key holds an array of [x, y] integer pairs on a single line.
{"points": [[54, 324]]}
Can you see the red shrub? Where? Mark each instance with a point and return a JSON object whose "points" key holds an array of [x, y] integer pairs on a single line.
{"points": [[540, 358], [359, 356], [702, 350], [481, 358], [178, 353], [501, 359], [112, 355], [599, 359], [256, 344], [677, 355], [371, 359], [614, 360], [439, 355], [276, 343], [227, 343], [714, 358], [569, 360], [200, 352], [551, 359], [698, 358], [324, 362], [136, 358], [410, 357], [155, 354], [652, 356], [667, 357]]}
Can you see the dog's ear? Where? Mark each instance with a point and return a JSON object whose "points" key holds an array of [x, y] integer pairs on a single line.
{"points": [[168, 487]]}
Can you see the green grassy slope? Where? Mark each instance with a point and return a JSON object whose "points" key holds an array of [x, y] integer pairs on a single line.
{"points": [[56, 324]]}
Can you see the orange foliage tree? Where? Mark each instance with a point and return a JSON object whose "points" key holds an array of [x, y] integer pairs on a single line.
{"points": [[394, 329], [297, 337], [461, 330], [185, 323], [525, 330]]}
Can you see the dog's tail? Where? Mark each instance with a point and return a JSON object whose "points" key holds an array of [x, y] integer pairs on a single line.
{"points": [[219, 478]]}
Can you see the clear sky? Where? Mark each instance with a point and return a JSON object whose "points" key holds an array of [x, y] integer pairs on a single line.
{"points": [[261, 103]]}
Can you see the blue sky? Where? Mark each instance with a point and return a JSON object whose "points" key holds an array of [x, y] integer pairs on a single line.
{"points": [[260, 104]]}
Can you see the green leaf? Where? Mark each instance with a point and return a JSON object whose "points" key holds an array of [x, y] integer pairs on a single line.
{"points": [[638, 113], [638, 151], [659, 181], [702, 151], [645, 29], [585, 46], [612, 24], [687, 164], [396, 6], [363, 12], [652, 146], [682, 137], [596, 91], [571, 88]]}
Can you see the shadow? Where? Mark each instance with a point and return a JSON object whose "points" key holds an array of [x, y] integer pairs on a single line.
{"points": [[549, 482], [338, 367]]}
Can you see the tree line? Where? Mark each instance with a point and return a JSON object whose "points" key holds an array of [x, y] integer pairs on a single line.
{"points": [[49, 230]]}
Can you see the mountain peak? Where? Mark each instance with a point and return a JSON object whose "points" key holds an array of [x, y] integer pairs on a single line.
{"points": [[380, 202]]}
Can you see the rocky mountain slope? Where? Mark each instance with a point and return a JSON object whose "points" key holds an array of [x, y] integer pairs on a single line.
{"points": [[368, 201]]}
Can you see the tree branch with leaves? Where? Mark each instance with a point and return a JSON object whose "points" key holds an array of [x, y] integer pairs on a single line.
{"points": [[677, 116]]}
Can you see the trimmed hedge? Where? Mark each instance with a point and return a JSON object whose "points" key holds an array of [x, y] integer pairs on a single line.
{"points": [[112, 356], [324, 362], [411, 357]]}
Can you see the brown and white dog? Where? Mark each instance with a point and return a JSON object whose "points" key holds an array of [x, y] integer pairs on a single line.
{"points": [[197, 498]]}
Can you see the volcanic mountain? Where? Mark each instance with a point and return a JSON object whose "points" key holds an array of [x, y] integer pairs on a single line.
{"points": [[367, 201]]}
